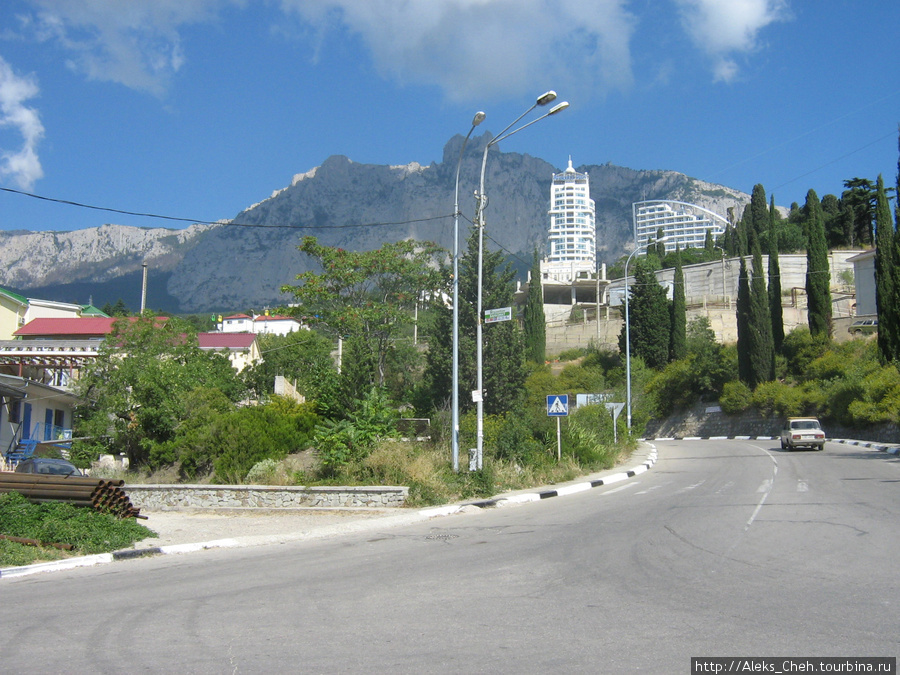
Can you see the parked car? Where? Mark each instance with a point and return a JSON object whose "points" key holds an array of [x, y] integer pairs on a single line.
{"points": [[863, 327], [801, 432], [47, 466]]}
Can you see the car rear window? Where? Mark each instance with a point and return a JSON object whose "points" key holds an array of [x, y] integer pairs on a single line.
{"points": [[805, 424]]}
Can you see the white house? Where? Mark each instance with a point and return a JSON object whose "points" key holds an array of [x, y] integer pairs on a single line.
{"points": [[242, 348], [864, 280]]}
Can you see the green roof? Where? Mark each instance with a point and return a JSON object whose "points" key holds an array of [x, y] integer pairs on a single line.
{"points": [[21, 299], [90, 310]]}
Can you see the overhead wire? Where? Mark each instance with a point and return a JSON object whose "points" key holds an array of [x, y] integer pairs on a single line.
{"points": [[224, 223]]}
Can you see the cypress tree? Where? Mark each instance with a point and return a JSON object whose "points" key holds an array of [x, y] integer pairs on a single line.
{"points": [[649, 318], [818, 273], [762, 351], [759, 214], [775, 309], [535, 324], [678, 339], [886, 279], [745, 373]]}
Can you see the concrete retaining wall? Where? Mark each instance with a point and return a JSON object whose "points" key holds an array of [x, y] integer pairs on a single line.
{"points": [[172, 497]]}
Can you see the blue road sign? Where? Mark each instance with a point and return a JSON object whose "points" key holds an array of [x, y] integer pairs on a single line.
{"points": [[558, 405]]}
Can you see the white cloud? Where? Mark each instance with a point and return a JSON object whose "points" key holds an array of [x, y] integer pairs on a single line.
{"points": [[135, 43], [23, 166], [478, 49], [723, 28]]}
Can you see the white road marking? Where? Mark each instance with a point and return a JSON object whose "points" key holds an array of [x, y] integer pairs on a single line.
{"points": [[765, 488], [619, 489], [691, 487]]}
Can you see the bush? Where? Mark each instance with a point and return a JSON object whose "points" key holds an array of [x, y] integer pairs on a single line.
{"points": [[589, 436], [572, 354], [346, 442], [249, 435], [672, 388], [779, 399], [263, 473], [735, 397]]}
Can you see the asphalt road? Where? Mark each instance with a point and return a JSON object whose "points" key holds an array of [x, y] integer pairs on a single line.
{"points": [[723, 548]]}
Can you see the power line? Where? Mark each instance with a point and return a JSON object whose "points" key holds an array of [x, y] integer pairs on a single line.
{"points": [[224, 223]]}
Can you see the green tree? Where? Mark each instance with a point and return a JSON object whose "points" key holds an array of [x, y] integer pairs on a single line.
{"points": [[860, 199], [678, 335], [367, 297], [775, 309], [135, 390], [303, 358], [744, 316], [119, 309], [833, 217], [504, 370], [818, 272], [534, 320], [649, 324], [762, 350], [759, 215], [887, 284]]}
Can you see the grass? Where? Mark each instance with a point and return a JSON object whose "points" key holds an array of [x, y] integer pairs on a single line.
{"points": [[86, 530]]}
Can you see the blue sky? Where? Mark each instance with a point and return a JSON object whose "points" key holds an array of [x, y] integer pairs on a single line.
{"points": [[199, 108]]}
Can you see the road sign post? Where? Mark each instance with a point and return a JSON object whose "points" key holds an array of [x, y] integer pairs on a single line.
{"points": [[558, 406]]}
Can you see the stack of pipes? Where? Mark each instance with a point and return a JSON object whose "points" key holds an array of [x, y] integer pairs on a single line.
{"points": [[102, 495]]}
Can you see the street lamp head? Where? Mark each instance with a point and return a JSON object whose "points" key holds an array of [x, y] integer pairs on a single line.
{"points": [[559, 107], [546, 98], [479, 118]]}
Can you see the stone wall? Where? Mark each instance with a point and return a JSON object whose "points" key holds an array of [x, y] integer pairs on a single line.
{"points": [[172, 497]]}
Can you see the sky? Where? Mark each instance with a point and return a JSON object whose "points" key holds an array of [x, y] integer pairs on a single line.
{"points": [[197, 109]]}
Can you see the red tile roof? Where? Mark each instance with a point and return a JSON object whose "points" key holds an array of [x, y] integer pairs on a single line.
{"points": [[90, 326], [98, 326], [225, 340]]}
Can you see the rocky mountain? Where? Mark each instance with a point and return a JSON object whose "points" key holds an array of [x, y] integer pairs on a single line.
{"points": [[242, 264]]}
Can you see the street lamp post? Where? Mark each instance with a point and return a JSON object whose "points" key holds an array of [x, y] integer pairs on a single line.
{"points": [[640, 247], [542, 100], [478, 119]]}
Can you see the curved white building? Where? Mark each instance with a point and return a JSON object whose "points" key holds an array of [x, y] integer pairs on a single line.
{"points": [[572, 236], [684, 224]]}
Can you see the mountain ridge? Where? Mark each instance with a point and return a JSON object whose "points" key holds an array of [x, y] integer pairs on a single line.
{"points": [[242, 263]]}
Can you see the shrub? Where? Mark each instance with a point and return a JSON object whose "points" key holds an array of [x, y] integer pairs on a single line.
{"points": [[589, 436], [263, 473], [249, 435], [735, 397], [346, 442], [779, 399], [572, 354], [672, 388]]}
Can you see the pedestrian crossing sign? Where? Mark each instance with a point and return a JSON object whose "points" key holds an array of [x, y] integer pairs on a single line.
{"points": [[558, 405]]}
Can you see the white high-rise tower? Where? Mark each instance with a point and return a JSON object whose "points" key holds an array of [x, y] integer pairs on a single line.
{"points": [[573, 251]]}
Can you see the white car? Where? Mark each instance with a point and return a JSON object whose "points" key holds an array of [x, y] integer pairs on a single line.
{"points": [[799, 432]]}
